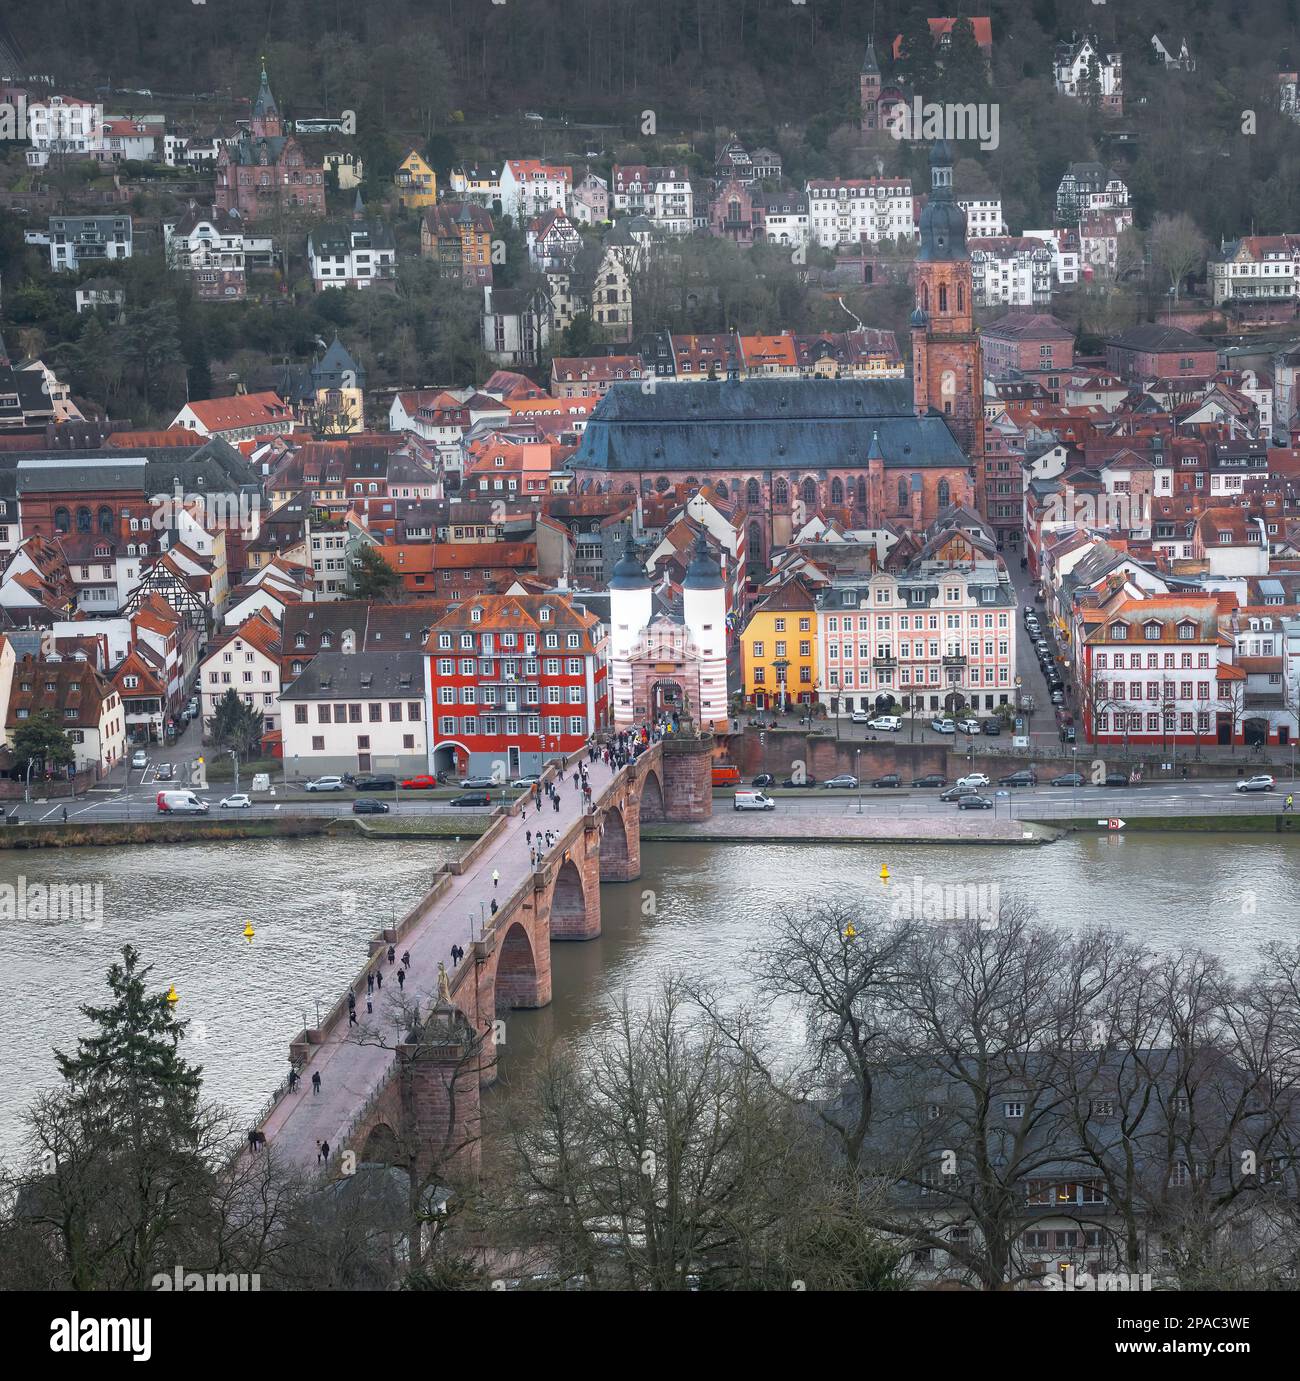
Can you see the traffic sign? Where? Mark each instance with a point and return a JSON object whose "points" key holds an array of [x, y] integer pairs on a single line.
{"points": [[1112, 824]]}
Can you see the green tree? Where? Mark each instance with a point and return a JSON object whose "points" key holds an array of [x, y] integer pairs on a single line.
{"points": [[41, 738], [150, 342], [917, 65], [373, 577], [236, 725]]}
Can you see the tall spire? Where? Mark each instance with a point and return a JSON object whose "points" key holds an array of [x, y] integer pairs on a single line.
{"points": [[266, 114]]}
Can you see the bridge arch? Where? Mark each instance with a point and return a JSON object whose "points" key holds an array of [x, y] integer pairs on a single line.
{"points": [[652, 796], [382, 1147], [575, 899], [516, 971]]}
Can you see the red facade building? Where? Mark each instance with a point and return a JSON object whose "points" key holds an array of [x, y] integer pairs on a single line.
{"points": [[514, 681], [266, 168]]}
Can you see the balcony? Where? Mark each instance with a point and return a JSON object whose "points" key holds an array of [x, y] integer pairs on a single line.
{"points": [[887, 661], [954, 659]]}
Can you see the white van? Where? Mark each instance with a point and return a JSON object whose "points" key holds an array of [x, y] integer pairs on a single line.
{"points": [[181, 803], [752, 800], [261, 781]]}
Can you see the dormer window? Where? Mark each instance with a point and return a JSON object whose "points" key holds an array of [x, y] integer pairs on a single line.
{"points": [[476, 616], [1119, 631], [1151, 631]]}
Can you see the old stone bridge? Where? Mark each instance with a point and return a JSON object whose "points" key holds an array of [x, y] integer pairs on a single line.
{"points": [[401, 1085]]}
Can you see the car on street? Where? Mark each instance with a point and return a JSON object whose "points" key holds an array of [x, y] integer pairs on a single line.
{"points": [[955, 793], [807, 781], [1263, 782], [993, 727], [376, 783], [930, 779], [1068, 779], [859, 717], [421, 783], [969, 725], [1057, 697], [523, 783], [842, 780], [140, 759], [165, 772], [326, 784], [532, 115], [1025, 777], [943, 726], [1116, 779], [369, 807], [885, 723], [764, 779], [472, 798], [752, 800], [975, 802], [973, 779], [237, 802], [889, 779], [472, 783]]}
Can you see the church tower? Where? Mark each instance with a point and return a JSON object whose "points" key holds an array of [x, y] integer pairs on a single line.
{"points": [[947, 371], [869, 90], [265, 122]]}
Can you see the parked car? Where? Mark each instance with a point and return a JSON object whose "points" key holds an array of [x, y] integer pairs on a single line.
{"points": [[140, 759], [930, 779], [532, 115], [969, 725], [376, 783], [1116, 779], [885, 723], [1068, 779], [472, 798], [1025, 777], [523, 783], [181, 803], [165, 771], [752, 800], [974, 802], [973, 779], [764, 779], [421, 783], [237, 802], [1263, 782], [369, 807], [943, 726], [326, 784], [843, 779], [1057, 697], [807, 781], [993, 727], [889, 779], [467, 783], [955, 793], [860, 717]]}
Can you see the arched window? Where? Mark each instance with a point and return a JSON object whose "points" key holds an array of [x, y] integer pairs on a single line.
{"points": [[780, 491], [943, 297], [756, 542], [105, 517], [961, 297], [733, 210], [862, 491], [62, 520], [925, 297], [902, 491], [720, 489], [837, 491], [83, 519], [945, 494], [809, 491], [753, 493]]}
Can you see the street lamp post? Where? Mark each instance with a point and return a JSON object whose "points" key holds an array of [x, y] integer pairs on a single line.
{"points": [[857, 778], [1074, 781]]}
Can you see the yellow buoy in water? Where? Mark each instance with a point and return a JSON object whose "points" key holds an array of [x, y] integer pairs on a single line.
{"points": [[172, 997], [249, 932], [884, 872]]}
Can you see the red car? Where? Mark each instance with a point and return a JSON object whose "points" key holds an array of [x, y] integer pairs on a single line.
{"points": [[419, 783]]}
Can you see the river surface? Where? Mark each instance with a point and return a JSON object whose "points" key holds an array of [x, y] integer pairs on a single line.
{"points": [[697, 909]]}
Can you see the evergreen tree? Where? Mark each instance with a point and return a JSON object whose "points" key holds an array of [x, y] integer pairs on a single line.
{"points": [[42, 738], [372, 576], [236, 725]]}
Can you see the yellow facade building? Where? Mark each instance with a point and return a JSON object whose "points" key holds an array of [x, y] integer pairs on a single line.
{"points": [[417, 183], [779, 649]]}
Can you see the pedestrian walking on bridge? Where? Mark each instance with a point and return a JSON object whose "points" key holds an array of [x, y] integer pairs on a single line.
{"points": [[401, 978], [496, 877], [315, 1082]]}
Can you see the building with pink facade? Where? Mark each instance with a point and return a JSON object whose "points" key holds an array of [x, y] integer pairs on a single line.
{"points": [[941, 636]]}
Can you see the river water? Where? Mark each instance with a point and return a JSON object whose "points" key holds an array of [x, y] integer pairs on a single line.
{"points": [[697, 909]]}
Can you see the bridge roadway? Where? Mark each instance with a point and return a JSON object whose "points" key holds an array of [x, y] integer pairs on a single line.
{"points": [[350, 1068]]}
